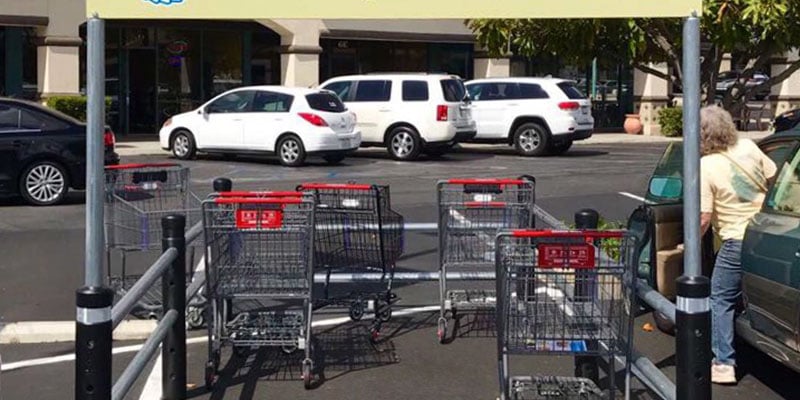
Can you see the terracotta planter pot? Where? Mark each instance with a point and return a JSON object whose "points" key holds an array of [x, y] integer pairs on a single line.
{"points": [[633, 125]]}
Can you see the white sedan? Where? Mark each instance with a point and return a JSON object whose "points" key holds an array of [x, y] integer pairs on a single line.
{"points": [[292, 123]]}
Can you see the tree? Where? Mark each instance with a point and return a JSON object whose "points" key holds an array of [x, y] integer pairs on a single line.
{"points": [[754, 30]]}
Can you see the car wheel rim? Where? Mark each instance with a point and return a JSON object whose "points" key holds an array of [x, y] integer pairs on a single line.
{"points": [[402, 144], [290, 150], [181, 145], [529, 140], [44, 183]]}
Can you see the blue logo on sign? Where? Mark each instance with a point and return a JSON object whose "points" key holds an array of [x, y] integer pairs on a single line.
{"points": [[165, 2]]}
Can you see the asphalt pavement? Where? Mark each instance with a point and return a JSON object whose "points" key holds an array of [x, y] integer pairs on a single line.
{"points": [[43, 265]]}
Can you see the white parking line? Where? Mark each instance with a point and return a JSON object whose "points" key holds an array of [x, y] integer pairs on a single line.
{"points": [[633, 196]]}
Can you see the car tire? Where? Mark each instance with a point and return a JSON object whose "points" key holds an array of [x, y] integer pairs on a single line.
{"points": [[334, 159], [404, 144], [44, 183], [183, 145], [291, 152], [531, 139], [560, 148]]}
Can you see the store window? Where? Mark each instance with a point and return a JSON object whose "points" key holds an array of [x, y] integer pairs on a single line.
{"points": [[3, 61], [223, 61], [178, 73]]}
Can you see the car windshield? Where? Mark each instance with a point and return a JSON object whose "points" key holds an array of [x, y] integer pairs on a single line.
{"points": [[453, 90], [666, 184]]}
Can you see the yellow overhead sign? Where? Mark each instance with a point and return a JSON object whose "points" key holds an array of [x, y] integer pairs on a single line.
{"points": [[408, 9]]}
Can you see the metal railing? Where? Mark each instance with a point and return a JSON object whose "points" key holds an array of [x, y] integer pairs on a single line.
{"points": [[96, 320]]}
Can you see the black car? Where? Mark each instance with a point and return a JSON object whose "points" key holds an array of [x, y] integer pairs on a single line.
{"points": [[43, 152]]}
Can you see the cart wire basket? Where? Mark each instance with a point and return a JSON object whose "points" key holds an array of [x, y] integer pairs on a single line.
{"points": [[357, 231], [471, 212], [259, 247], [137, 196], [563, 293]]}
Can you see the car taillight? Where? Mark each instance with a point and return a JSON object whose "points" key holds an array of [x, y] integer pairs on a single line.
{"points": [[441, 113], [569, 105], [313, 119], [108, 138]]}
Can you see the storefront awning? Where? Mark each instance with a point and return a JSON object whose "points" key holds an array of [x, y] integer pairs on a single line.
{"points": [[407, 9], [411, 30]]}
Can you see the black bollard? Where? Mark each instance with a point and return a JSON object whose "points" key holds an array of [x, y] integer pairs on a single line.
{"points": [[173, 292], [222, 185], [586, 366], [93, 335], [693, 338]]}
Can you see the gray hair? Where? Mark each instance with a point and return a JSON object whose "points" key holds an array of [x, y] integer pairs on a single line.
{"points": [[717, 130]]}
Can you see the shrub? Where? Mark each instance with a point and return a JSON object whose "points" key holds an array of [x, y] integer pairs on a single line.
{"points": [[671, 121], [74, 106]]}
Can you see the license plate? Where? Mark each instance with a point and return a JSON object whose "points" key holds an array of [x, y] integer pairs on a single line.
{"points": [[585, 110], [344, 143]]}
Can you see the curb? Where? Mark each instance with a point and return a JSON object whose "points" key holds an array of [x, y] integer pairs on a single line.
{"points": [[64, 331]]}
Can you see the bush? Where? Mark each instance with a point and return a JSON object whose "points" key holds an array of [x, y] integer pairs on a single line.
{"points": [[671, 121], [74, 106]]}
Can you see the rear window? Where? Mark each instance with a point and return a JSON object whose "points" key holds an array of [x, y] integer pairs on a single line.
{"points": [[327, 102], [415, 91], [453, 90], [571, 90], [373, 91]]}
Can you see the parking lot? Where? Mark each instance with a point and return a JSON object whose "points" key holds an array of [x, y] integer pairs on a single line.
{"points": [[408, 363]]}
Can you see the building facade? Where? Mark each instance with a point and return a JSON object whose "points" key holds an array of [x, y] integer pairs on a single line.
{"points": [[155, 69]]}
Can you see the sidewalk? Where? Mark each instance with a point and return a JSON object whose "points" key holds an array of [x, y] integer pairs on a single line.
{"points": [[141, 148]]}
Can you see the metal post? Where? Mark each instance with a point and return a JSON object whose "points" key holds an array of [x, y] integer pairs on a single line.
{"points": [[691, 146], [93, 343], [173, 289], [95, 126], [586, 366], [693, 339], [222, 185]]}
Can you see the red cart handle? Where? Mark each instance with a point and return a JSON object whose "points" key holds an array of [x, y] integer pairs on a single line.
{"points": [[346, 186], [259, 194], [143, 165], [487, 181], [548, 233], [487, 204], [258, 200]]}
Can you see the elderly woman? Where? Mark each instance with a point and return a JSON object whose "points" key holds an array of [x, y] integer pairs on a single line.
{"points": [[734, 179]]}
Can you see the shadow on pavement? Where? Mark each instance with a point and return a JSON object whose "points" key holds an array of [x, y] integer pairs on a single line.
{"points": [[73, 197], [338, 351], [509, 151]]}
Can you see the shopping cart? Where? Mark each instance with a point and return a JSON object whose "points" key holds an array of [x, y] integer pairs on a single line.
{"points": [[471, 212], [259, 248], [563, 293], [137, 196], [357, 231]]}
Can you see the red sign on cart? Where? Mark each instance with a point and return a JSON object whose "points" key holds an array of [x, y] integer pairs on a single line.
{"points": [[562, 255], [250, 219]]}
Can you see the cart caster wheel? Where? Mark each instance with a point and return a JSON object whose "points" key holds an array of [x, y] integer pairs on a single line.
{"points": [[289, 349], [356, 310], [385, 311], [308, 374], [195, 318], [441, 331], [211, 376]]}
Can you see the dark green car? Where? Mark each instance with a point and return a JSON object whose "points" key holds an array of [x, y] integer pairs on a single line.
{"points": [[770, 320]]}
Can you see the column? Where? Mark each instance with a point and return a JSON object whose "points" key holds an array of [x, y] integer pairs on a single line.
{"points": [[785, 96], [300, 65], [486, 66], [58, 59], [650, 95]]}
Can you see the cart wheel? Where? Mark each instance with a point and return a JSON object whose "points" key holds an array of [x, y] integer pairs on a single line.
{"points": [[211, 376], [441, 331], [308, 367], [289, 349], [195, 318], [356, 310], [384, 313]]}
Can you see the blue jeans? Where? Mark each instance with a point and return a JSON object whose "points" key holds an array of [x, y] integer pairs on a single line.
{"points": [[726, 290]]}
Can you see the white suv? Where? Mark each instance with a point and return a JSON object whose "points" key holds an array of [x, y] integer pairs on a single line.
{"points": [[537, 116], [407, 113]]}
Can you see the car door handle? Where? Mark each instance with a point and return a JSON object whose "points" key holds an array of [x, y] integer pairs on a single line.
{"points": [[513, 105], [384, 110]]}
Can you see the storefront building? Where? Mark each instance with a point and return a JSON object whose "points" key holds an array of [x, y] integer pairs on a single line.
{"points": [[155, 69]]}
